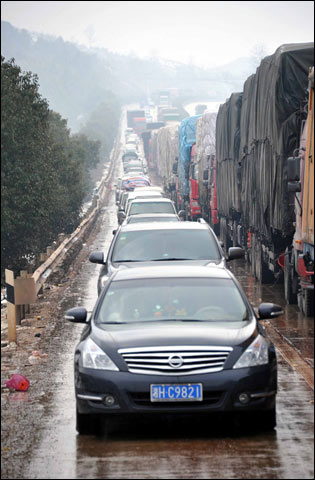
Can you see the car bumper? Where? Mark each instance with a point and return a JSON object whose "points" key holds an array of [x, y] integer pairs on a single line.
{"points": [[131, 392]]}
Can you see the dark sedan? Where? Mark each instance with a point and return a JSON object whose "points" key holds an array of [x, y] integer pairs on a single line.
{"points": [[174, 340]]}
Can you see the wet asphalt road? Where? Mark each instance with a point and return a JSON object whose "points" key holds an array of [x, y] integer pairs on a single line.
{"points": [[182, 448]]}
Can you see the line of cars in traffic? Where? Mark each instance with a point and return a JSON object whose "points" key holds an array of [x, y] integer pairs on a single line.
{"points": [[172, 331]]}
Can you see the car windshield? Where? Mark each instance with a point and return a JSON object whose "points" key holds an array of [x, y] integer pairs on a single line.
{"points": [[178, 299], [161, 244], [151, 207]]}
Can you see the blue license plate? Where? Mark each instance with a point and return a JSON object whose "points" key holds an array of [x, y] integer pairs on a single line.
{"points": [[177, 393]]}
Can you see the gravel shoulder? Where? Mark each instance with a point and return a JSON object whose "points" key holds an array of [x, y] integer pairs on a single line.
{"points": [[45, 330]]}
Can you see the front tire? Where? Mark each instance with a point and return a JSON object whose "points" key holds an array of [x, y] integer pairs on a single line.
{"points": [[268, 419], [264, 420], [86, 424]]}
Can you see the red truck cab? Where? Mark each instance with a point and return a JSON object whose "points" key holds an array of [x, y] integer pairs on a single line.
{"points": [[213, 193], [139, 125], [195, 210]]}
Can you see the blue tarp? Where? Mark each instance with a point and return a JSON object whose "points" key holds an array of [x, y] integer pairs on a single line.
{"points": [[186, 138]]}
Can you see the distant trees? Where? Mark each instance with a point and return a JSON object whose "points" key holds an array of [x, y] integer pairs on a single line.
{"points": [[44, 170], [77, 79], [102, 124], [258, 52]]}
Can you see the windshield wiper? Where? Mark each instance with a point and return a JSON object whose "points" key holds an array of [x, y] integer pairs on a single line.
{"points": [[113, 323], [168, 320], [128, 260], [169, 258]]}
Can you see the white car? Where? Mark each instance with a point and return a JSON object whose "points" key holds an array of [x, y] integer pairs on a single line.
{"points": [[153, 205], [128, 197]]}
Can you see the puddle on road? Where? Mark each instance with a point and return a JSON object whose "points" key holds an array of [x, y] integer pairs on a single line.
{"points": [[293, 325], [178, 449]]}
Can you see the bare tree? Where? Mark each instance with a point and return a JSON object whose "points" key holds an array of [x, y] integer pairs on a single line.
{"points": [[258, 52]]}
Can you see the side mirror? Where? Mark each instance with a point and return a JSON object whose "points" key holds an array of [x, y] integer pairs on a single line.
{"points": [[114, 231], [97, 257], [269, 310], [294, 187], [182, 214], [76, 315], [234, 253], [294, 169], [121, 216]]}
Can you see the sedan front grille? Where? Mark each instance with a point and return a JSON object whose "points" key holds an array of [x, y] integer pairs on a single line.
{"points": [[175, 360]]}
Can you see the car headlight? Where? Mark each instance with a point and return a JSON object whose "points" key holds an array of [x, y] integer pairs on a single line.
{"points": [[255, 354], [94, 357]]}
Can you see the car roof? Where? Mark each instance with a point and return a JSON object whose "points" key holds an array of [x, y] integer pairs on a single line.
{"points": [[157, 215], [164, 271], [146, 193], [165, 226], [151, 187], [134, 177], [157, 199], [152, 217]]}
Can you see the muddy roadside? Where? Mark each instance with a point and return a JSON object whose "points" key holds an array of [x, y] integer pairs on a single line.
{"points": [[44, 331]]}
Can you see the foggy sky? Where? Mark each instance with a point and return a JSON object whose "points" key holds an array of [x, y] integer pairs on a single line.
{"points": [[202, 33]]}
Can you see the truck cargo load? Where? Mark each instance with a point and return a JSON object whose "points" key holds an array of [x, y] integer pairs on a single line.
{"points": [[165, 153], [256, 131], [187, 138], [205, 159]]}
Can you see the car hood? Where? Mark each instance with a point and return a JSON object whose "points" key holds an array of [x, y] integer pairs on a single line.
{"points": [[111, 337]]}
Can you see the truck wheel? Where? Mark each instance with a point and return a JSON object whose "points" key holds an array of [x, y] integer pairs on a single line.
{"points": [[216, 229], [289, 294], [262, 272], [224, 236], [308, 302], [235, 242]]}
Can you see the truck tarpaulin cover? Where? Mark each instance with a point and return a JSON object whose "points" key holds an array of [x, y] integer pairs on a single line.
{"points": [[186, 138], [205, 147], [146, 136], [166, 152], [227, 152], [255, 136]]}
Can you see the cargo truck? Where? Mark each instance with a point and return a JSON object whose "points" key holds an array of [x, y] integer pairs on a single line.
{"points": [[164, 97], [168, 114], [200, 108], [139, 125], [187, 189], [164, 151], [206, 177], [131, 114], [147, 141], [298, 259], [257, 130]]}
